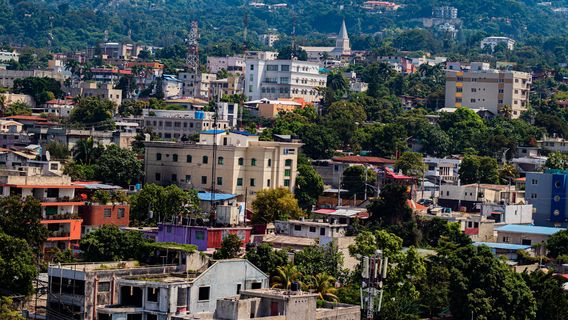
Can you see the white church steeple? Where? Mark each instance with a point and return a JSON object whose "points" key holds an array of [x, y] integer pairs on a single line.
{"points": [[342, 42]]}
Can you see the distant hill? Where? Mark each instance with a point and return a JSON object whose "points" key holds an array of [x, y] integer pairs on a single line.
{"points": [[73, 24]]}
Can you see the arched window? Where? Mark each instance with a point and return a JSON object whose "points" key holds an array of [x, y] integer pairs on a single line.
{"points": [[241, 161], [270, 162], [221, 161]]}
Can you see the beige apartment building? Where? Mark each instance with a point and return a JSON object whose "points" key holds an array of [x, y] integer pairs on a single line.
{"points": [[480, 87], [244, 165]]}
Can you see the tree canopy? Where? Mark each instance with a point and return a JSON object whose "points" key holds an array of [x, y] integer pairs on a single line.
{"points": [[275, 204]]}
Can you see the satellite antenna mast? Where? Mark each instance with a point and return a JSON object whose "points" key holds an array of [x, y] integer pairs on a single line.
{"points": [[192, 57]]}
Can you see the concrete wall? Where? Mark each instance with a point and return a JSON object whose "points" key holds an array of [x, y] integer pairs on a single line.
{"points": [[223, 278], [517, 238]]}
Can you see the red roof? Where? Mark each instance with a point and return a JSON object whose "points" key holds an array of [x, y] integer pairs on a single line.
{"points": [[363, 159], [22, 117], [325, 211], [58, 101], [392, 175]]}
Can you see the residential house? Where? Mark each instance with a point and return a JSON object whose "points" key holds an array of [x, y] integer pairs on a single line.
{"points": [[524, 234], [508, 213], [204, 238], [96, 213], [470, 197], [171, 86], [547, 192], [231, 64], [7, 77], [93, 89]]}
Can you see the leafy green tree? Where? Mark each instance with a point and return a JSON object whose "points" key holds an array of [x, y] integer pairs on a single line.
{"points": [[275, 204], [162, 203], [38, 88], [411, 163], [285, 275], [314, 259], [435, 230], [18, 109], [109, 243], [357, 179], [557, 244], [118, 166], [65, 256], [266, 258], [93, 112], [319, 141], [17, 268], [484, 286], [391, 207], [476, 169], [286, 53], [7, 310], [57, 150], [79, 172], [21, 218], [230, 248], [551, 299], [131, 107], [86, 152], [557, 160], [464, 127], [344, 118], [309, 186]]}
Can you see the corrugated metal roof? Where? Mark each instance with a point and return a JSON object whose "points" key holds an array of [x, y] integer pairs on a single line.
{"points": [[519, 228], [504, 246], [206, 196]]}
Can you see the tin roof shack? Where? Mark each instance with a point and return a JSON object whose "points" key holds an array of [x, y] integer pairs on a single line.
{"points": [[524, 234], [278, 304], [185, 294]]}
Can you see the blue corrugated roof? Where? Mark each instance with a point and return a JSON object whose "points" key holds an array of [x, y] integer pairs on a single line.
{"points": [[213, 131], [519, 228], [206, 196], [504, 246], [244, 133]]}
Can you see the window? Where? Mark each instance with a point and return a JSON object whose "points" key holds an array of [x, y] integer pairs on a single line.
{"points": [[286, 182], [221, 161], [174, 157], [272, 67], [239, 182], [204, 293], [268, 183], [52, 193], [252, 66], [153, 294], [506, 239], [238, 288], [458, 100], [526, 242], [287, 172], [107, 212], [158, 176], [241, 161], [288, 162], [188, 158], [284, 67], [297, 227], [252, 182], [121, 212], [534, 181], [187, 178], [250, 87], [253, 162], [322, 231], [219, 181], [270, 162], [205, 159], [256, 285], [312, 229], [158, 156], [104, 286]]}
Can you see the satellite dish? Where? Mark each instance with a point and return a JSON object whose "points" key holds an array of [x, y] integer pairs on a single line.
{"points": [[47, 156]]}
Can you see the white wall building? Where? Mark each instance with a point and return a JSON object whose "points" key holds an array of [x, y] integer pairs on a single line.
{"points": [[492, 42], [273, 79], [232, 64]]}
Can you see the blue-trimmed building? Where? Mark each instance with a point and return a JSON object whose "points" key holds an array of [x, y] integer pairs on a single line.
{"points": [[527, 235], [547, 192]]}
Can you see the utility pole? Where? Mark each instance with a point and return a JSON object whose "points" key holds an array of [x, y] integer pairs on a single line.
{"points": [[374, 271]]}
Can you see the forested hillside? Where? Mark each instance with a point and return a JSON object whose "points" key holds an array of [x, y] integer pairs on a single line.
{"points": [[73, 24]]}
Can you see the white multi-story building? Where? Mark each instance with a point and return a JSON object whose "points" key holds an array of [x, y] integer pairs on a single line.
{"points": [[480, 87], [492, 42], [268, 39], [244, 164], [196, 86], [6, 56], [274, 79], [234, 64]]}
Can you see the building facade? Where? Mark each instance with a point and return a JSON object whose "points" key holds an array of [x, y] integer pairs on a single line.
{"points": [[274, 79], [480, 87], [244, 165], [93, 89], [547, 192], [492, 42]]}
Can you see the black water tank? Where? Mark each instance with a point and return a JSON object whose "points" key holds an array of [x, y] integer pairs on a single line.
{"points": [[295, 286]]}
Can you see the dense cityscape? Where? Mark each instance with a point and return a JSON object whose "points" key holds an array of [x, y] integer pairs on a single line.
{"points": [[319, 160]]}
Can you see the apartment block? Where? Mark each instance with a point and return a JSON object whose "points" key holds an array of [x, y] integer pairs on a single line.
{"points": [[244, 165], [274, 79], [93, 89], [232, 64], [59, 203], [479, 87], [547, 192], [196, 85]]}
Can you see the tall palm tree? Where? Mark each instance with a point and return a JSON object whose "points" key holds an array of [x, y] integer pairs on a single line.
{"points": [[337, 82], [84, 151], [285, 275], [323, 285]]}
